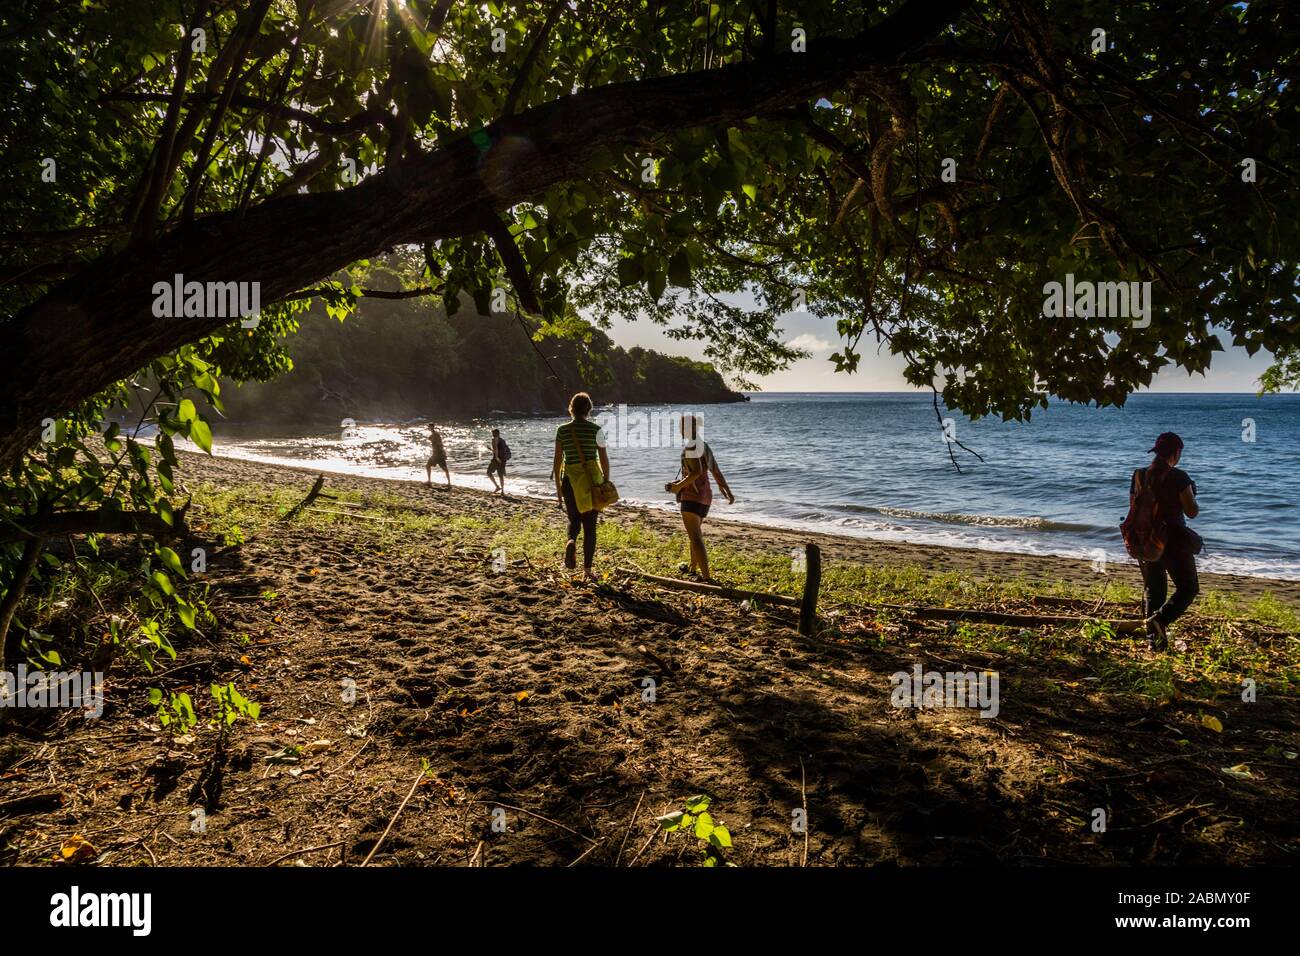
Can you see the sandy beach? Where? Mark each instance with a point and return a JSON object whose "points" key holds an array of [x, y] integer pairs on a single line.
{"points": [[739, 534], [481, 716]]}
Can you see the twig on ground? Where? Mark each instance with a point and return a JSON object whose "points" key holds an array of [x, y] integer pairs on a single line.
{"points": [[306, 849], [333, 770], [628, 832], [585, 852], [554, 823], [642, 850], [803, 790], [387, 829]]}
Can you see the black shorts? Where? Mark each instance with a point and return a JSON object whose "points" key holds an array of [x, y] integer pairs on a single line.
{"points": [[695, 508], [497, 466], [436, 461]]}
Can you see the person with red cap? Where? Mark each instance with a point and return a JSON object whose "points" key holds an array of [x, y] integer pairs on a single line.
{"points": [[1175, 494]]}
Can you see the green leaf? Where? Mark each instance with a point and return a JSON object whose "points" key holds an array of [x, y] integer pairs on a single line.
{"points": [[201, 434], [679, 269], [656, 284], [171, 559], [721, 838], [186, 411], [698, 803], [670, 821], [629, 271], [703, 826]]}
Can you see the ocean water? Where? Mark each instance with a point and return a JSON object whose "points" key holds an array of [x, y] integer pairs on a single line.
{"points": [[876, 465]]}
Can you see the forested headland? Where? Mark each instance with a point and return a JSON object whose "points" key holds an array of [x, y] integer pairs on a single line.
{"points": [[397, 360]]}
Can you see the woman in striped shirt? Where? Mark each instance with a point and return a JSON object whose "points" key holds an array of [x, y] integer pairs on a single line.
{"points": [[580, 463]]}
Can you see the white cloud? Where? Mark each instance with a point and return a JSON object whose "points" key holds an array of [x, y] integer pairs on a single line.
{"points": [[810, 342]]}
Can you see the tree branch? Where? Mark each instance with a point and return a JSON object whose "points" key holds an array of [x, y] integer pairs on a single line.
{"points": [[268, 135], [250, 31], [370, 116], [530, 58], [98, 327], [63, 523], [158, 174], [366, 293]]}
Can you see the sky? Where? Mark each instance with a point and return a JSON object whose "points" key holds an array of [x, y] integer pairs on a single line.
{"points": [[1231, 370]]}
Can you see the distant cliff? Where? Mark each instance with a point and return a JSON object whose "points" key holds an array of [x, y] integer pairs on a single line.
{"points": [[398, 360]]}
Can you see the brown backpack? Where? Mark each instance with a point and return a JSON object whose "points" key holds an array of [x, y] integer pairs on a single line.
{"points": [[1145, 529]]}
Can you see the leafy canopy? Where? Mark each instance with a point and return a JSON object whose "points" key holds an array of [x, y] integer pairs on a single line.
{"points": [[1115, 158], [921, 196]]}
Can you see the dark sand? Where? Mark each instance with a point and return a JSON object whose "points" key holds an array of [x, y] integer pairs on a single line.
{"points": [[525, 693]]}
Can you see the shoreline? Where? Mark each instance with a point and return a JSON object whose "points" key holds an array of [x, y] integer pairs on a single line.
{"points": [[383, 640], [741, 533]]}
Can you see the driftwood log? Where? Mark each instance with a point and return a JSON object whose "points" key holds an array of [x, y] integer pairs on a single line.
{"points": [[807, 605], [1002, 619], [717, 590]]}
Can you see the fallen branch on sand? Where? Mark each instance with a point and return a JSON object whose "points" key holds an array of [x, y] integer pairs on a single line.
{"points": [[717, 590], [352, 514], [808, 611], [1001, 618], [807, 605], [31, 803]]}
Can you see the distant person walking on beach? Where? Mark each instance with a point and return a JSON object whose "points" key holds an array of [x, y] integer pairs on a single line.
{"points": [[438, 457], [694, 492], [500, 455], [581, 463], [1161, 498]]}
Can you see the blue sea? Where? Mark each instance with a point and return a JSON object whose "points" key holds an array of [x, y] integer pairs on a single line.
{"points": [[876, 465]]}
